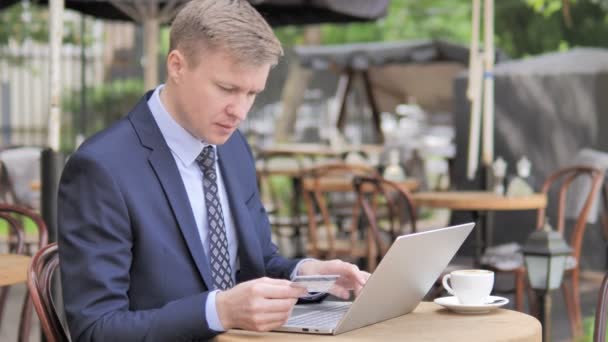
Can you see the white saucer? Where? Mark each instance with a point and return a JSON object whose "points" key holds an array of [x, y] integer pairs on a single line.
{"points": [[451, 303]]}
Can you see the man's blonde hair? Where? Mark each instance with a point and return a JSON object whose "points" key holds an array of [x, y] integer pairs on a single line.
{"points": [[232, 26]]}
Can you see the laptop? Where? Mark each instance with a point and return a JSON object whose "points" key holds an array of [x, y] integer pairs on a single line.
{"points": [[403, 277]]}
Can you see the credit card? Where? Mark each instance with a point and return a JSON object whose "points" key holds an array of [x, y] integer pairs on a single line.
{"points": [[315, 283]]}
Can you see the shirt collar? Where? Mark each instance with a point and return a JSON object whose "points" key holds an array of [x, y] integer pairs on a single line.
{"points": [[180, 141]]}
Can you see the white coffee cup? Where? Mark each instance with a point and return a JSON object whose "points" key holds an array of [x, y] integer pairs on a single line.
{"points": [[471, 287]]}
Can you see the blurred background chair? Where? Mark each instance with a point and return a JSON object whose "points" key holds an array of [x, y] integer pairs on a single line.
{"points": [[388, 211], [39, 282], [558, 187], [25, 217], [599, 330], [327, 189], [280, 184], [15, 244], [22, 172]]}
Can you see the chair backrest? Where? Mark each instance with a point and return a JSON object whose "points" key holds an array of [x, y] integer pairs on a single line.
{"points": [[271, 167], [604, 209], [327, 187], [36, 218], [385, 204], [563, 180], [599, 330], [7, 190], [39, 282], [16, 245]]}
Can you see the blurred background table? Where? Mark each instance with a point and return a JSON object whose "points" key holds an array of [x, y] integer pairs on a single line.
{"points": [[428, 322], [13, 269], [312, 150], [479, 203]]}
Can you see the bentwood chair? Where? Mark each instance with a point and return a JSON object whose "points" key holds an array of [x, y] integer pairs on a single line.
{"points": [[39, 282], [327, 189], [279, 181], [564, 178], [599, 330], [558, 188], [15, 242], [389, 211], [21, 214]]}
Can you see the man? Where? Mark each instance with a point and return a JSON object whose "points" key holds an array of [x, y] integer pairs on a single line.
{"points": [[160, 216]]}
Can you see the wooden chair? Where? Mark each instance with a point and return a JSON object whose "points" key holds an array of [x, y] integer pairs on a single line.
{"points": [[279, 181], [564, 178], [15, 241], [389, 211], [19, 213], [599, 330], [328, 188], [7, 191], [561, 182], [39, 283]]}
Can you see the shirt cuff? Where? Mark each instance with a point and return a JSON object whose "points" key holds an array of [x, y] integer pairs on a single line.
{"points": [[297, 268], [213, 321]]}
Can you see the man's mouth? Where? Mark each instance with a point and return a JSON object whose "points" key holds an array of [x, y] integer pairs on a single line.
{"points": [[226, 126]]}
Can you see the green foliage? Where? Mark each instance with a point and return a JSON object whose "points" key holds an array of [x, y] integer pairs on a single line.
{"points": [[22, 22], [546, 7], [406, 19], [28, 225], [535, 26], [522, 27], [588, 326], [106, 103]]}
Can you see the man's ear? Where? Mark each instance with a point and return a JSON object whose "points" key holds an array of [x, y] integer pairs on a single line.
{"points": [[176, 63]]}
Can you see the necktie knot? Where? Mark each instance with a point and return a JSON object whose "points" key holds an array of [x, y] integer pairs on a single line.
{"points": [[206, 159]]}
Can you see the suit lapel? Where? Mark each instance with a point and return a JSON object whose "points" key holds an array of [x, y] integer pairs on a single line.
{"points": [[164, 166], [250, 255]]}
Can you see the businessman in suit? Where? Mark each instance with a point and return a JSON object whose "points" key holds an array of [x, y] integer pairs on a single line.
{"points": [[162, 234]]}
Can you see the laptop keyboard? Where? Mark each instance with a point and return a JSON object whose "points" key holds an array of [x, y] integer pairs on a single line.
{"points": [[327, 314]]}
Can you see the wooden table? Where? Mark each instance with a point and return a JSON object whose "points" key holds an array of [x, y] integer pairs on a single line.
{"points": [[296, 171], [479, 202], [346, 185], [319, 150], [428, 322], [13, 268]]}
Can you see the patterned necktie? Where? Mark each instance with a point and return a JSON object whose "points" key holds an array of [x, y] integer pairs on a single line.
{"points": [[218, 243]]}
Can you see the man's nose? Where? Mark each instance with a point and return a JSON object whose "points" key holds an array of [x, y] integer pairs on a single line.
{"points": [[239, 108]]}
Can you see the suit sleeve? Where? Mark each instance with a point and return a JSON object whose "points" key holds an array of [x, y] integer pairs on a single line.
{"points": [[95, 252]]}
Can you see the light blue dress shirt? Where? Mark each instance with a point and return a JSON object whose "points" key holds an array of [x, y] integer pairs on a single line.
{"points": [[185, 148]]}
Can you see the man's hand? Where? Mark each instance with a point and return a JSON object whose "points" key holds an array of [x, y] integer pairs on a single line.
{"points": [[260, 304], [351, 278]]}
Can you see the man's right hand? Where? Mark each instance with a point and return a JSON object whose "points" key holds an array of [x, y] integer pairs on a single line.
{"points": [[260, 304]]}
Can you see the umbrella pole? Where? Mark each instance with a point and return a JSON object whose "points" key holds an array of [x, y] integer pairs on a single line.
{"points": [[488, 91], [474, 93], [50, 158], [55, 36], [151, 31]]}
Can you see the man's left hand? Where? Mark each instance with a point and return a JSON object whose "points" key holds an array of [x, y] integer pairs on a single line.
{"points": [[351, 278]]}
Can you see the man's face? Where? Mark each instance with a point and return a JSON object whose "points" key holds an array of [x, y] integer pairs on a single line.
{"points": [[213, 97]]}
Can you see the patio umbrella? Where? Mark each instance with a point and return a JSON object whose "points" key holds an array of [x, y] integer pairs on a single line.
{"points": [[277, 12], [152, 13]]}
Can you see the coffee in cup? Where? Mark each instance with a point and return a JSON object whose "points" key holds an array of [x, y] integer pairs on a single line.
{"points": [[471, 287]]}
